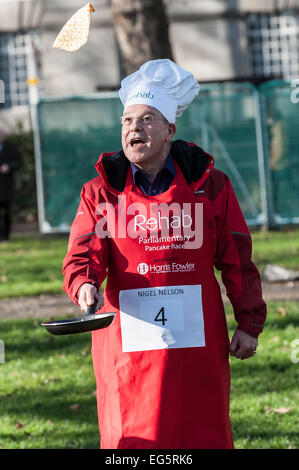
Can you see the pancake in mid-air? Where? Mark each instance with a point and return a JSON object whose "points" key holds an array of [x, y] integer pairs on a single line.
{"points": [[74, 33]]}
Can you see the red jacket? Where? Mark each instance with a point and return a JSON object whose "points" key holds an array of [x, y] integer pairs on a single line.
{"points": [[162, 367]]}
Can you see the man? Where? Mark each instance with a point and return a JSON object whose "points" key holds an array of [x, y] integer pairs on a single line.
{"points": [[10, 161], [155, 222]]}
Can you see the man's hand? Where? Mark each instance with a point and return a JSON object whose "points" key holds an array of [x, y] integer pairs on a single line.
{"points": [[242, 345], [88, 295]]}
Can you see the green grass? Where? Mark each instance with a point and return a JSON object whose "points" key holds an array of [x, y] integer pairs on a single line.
{"points": [[32, 266], [263, 388], [280, 248], [47, 387]]}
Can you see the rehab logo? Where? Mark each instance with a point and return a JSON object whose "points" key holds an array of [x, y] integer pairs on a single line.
{"points": [[141, 94]]}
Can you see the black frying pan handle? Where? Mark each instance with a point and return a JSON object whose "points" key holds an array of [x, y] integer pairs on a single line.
{"points": [[91, 309]]}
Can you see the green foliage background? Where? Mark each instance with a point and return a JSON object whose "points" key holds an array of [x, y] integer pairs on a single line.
{"points": [[24, 202]]}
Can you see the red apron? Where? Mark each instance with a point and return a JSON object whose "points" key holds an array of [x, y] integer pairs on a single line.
{"points": [[162, 367]]}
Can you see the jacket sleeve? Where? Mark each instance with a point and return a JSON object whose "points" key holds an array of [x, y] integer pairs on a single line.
{"points": [[87, 256], [233, 257]]}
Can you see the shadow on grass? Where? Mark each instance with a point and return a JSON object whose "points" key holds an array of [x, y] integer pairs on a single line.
{"points": [[282, 322]]}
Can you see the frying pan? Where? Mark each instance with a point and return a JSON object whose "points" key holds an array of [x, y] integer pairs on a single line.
{"points": [[88, 322]]}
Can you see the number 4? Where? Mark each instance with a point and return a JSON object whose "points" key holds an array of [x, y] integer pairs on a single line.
{"points": [[162, 318]]}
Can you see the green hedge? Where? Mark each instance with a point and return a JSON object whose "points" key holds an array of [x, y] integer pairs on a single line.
{"points": [[24, 201]]}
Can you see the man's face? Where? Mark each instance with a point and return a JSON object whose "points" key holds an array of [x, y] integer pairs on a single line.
{"points": [[146, 135]]}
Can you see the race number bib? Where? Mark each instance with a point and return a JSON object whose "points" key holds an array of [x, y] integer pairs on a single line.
{"points": [[161, 318]]}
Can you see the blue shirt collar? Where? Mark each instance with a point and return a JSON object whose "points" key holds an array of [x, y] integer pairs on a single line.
{"points": [[168, 166]]}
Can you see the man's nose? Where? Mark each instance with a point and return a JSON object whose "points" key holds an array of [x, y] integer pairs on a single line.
{"points": [[136, 124]]}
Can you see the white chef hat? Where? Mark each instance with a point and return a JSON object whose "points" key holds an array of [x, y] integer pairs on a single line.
{"points": [[162, 84]]}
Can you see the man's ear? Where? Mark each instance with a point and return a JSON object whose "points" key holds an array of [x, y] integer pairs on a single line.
{"points": [[171, 131]]}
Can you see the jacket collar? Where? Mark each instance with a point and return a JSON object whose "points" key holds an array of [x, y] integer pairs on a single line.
{"points": [[194, 162]]}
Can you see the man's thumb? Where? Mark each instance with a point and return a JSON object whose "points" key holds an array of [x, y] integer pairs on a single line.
{"points": [[234, 344], [90, 300]]}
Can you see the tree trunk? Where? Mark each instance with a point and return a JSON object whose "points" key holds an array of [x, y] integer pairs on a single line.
{"points": [[141, 28]]}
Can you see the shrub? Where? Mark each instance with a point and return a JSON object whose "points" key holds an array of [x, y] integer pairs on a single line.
{"points": [[24, 201]]}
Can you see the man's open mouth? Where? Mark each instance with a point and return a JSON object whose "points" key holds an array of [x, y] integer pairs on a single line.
{"points": [[136, 141]]}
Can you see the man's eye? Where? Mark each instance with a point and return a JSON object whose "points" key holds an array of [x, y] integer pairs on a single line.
{"points": [[127, 120], [147, 119]]}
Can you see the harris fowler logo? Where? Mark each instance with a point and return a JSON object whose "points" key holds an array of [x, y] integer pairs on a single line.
{"points": [[160, 268]]}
